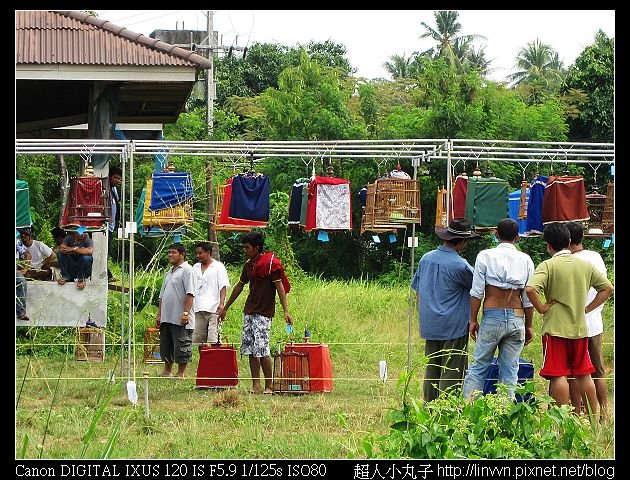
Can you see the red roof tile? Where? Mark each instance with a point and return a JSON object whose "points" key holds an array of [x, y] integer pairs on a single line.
{"points": [[76, 38]]}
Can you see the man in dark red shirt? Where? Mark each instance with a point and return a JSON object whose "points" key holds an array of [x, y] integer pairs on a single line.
{"points": [[265, 276]]}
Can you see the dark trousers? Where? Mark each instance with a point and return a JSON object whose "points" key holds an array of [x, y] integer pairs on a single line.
{"points": [[75, 266], [447, 364]]}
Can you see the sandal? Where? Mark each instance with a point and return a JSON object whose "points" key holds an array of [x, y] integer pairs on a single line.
{"points": [[80, 284], [62, 281]]}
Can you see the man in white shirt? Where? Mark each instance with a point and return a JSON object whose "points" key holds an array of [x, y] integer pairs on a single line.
{"points": [[212, 285], [42, 257], [594, 321], [499, 280]]}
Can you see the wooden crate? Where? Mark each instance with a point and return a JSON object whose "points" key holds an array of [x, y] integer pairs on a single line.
{"points": [[90, 344], [152, 345], [178, 215], [291, 373]]}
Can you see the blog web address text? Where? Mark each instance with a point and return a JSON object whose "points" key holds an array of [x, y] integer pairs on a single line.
{"points": [[416, 471]]}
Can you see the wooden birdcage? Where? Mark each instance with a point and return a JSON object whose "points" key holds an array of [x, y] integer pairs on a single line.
{"points": [[608, 217], [90, 344], [88, 202], [176, 216], [218, 206], [291, 373], [595, 203], [391, 203], [368, 217], [441, 207], [397, 200], [152, 345]]}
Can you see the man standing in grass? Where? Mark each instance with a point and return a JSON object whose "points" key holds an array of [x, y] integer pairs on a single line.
{"points": [[565, 280], [442, 282], [507, 323], [175, 317], [212, 284], [594, 321], [265, 275]]}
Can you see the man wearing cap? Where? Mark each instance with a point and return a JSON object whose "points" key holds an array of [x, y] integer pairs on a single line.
{"points": [[499, 280], [75, 257], [442, 282]]}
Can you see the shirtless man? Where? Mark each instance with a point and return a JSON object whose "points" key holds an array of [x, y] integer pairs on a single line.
{"points": [[499, 281]]}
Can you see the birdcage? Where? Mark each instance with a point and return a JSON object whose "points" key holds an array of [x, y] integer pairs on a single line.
{"points": [[291, 373], [441, 207], [218, 207], [179, 215], [608, 217], [152, 345], [390, 203], [88, 202], [90, 344], [396, 200], [595, 203]]}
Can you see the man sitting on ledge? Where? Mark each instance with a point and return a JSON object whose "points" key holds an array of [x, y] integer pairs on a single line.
{"points": [[75, 257]]}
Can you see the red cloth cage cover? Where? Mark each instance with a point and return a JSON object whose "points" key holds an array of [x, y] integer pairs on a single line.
{"points": [[88, 203]]}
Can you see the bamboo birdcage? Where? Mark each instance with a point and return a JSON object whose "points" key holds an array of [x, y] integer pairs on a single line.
{"points": [[390, 204], [176, 216], [608, 217], [152, 345], [440, 208], [291, 373], [595, 203], [368, 216], [90, 344]]}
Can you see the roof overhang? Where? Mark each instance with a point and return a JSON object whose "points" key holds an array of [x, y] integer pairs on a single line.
{"points": [[51, 96]]}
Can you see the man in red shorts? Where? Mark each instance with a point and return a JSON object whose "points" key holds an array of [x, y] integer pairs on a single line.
{"points": [[565, 280]]}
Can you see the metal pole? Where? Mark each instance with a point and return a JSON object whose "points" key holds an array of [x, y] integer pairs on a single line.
{"points": [[122, 266], [210, 74], [130, 223], [449, 193], [146, 393], [415, 161]]}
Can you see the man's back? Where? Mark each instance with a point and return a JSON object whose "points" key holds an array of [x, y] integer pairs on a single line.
{"points": [[505, 268], [442, 282]]}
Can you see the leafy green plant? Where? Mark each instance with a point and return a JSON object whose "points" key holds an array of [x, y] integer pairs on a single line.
{"points": [[492, 426]]}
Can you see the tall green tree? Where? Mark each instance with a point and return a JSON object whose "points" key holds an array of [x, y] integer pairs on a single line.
{"points": [[539, 71], [310, 103], [451, 46], [398, 66], [593, 73]]}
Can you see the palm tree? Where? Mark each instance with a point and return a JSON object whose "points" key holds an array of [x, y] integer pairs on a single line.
{"points": [[476, 59], [450, 45], [539, 64], [398, 66]]}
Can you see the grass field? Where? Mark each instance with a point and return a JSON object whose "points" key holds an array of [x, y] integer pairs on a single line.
{"points": [[58, 398]]}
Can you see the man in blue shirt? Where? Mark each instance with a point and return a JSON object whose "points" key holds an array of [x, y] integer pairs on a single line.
{"points": [[442, 282]]}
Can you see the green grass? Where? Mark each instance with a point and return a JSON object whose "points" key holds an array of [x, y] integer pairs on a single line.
{"points": [[362, 323]]}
